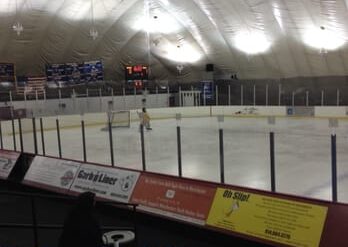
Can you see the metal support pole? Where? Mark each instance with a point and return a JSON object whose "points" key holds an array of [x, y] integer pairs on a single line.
{"points": [[266, 94], [100, 100], [83, 141], [229, 94], [204, 96], [14, 134], [20, 134], [36, 96], [42, 137], [307, 98], [322, 97], [254, 96], [142, 146], [222, 161], [180, 103], [178, 138], [271, 142], [59, 95], [135, 97], [279, 94], [216, 95], [334, 167], [1, 142], [293, 99], [157, 96], [34, 135], [58, 139], [124, 98], [111, 143], [168, 96], [10, 97], [44, 93], [241, 95], [33, 214], [338, 97]]}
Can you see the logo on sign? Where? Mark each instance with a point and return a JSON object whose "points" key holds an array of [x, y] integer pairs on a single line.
{"points": [[5, 163], [234, 207], [127, 182], [170, 194], [67, 178]]}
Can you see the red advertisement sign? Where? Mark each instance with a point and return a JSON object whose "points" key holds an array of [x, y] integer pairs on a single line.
{"points": [[173, 197]]}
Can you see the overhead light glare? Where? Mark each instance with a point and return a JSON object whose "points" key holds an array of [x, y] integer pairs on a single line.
{"points": [[159, 23], [252, 42], [183, 53], [324, 39]]}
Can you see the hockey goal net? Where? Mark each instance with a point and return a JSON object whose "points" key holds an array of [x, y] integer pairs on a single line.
{"points": [[119, 118]]}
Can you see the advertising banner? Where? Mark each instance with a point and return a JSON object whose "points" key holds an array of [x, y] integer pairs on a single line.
{"points": [[184, 200], [7, 161], [105, 182], [279, 220], [51, 173]]}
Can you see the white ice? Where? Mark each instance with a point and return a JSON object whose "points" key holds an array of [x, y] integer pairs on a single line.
{"points": [[302, 151]]}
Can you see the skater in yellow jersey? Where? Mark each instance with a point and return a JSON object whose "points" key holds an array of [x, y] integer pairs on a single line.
{"points": [[145, 119]]}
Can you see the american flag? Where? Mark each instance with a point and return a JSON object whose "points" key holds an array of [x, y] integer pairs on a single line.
{"points": [[32, 85]]}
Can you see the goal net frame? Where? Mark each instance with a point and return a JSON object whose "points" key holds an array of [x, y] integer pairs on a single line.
{"points": [[119, 119]]}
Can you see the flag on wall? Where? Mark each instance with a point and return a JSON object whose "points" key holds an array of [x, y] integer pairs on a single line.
{"points": [[31, 85]]}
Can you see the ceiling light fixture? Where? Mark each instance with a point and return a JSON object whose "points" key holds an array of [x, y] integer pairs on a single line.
{"points": [[93, 32], [252, 42], [17, 26]]}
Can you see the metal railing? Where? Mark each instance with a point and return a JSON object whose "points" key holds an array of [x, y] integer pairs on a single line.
{"points": [[224, 92]]}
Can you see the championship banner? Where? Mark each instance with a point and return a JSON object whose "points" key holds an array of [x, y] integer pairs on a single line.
{"points": [[172, 197], [52, 174], [7, 161], [74, 73], [109, 183], [7, 74], [279, 220], [93, 71]]}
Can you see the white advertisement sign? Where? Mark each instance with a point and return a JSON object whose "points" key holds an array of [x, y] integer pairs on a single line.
{"points": [[52, 172], [7, 161], [109, 183]]}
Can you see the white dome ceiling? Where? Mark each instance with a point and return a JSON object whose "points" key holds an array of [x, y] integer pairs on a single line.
{"points": [[253, 38]]}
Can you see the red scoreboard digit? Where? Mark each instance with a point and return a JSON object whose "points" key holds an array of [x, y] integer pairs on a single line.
{"points": [[136, 72]]}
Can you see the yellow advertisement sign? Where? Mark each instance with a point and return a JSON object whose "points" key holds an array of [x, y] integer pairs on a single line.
{"points": [[283, 221]]}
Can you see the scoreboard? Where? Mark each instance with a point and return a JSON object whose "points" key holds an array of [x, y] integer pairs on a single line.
{"points": [[136, 73]]}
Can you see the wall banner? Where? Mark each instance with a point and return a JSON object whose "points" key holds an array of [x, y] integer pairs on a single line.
{"points": [[7, 161], [106, 182], [279, 220], [172, 197], [52, 173]]}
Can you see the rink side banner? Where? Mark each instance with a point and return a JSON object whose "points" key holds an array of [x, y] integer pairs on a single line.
{"points": [[279, 220], [7, 161], [53, 174], [106, 182], [174, 197]]}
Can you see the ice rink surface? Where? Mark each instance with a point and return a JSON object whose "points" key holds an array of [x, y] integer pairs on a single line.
{"points": [[302, 151]]}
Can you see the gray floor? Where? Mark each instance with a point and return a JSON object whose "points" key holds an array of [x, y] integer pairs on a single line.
{"points": [[303, 158]]}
